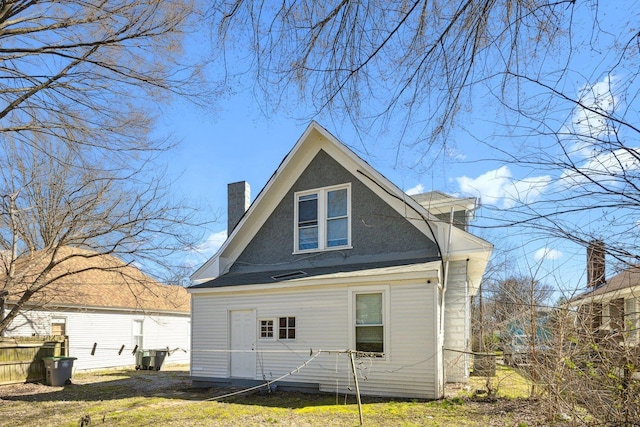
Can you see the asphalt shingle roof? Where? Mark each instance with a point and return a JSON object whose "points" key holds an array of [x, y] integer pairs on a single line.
{"points": [[105, 281], [263, 277]]}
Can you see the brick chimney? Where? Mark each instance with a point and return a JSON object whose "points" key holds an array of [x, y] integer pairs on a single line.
{"points": [[595, 264], [238, 201]]}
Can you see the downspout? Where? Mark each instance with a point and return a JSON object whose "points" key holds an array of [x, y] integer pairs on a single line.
{"points": [[444, 290]]}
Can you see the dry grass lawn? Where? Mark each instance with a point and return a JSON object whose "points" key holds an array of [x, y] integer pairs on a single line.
{"points": [[166, 398]]}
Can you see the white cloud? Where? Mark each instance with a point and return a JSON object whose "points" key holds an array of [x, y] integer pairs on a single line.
{"points": [[596, 101], [415, 190], [547, 254], [604, 168], [206, 249], [589, 121], [496, 187], [212, 244]]}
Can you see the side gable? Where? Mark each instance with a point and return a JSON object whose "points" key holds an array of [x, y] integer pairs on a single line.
{"points": [[261, 226], [624, 284], [378, 232]]}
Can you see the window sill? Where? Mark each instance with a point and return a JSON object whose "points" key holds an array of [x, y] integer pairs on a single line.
{"points": [[311, 251]]}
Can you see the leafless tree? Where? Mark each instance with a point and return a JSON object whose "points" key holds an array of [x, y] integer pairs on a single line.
{"points": [[81, 83], [93, 72], [54, 199], [419, 63], [557, 81]]}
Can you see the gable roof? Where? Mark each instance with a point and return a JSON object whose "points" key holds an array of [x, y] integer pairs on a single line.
{"points": [[103, 281], [620, 284], [462, 245]]}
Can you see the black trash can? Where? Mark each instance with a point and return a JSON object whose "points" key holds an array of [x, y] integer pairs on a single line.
{"points": [[157, 358], [58, 369]]}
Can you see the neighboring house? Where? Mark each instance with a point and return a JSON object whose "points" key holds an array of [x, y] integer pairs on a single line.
{"points": [[331, 256], [610, 306], [106, 311]]}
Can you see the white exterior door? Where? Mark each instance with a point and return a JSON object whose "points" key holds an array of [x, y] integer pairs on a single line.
{"points": [[243, 342]]}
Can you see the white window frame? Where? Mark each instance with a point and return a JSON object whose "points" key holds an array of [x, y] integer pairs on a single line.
{"points": [[322, 218], [274, 331], [386, 324], [134, 333]]}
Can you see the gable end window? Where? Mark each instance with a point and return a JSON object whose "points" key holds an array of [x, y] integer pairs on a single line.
{"points": [[322, 218]]}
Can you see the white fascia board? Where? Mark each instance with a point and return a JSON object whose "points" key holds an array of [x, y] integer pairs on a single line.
{"points": [[442, 206], [208, 271], [267, 200], [252, 220], [99, 308]]}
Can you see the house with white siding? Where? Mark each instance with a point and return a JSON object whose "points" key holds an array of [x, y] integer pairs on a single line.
{"points": [[331, 260], [107, 309]]}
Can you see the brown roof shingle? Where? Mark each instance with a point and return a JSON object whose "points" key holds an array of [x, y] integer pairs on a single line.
{"points": [[105, 281], [626, 279]]}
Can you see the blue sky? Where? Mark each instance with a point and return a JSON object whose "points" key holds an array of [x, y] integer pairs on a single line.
{"points": [[238, 143], [234, 140]]}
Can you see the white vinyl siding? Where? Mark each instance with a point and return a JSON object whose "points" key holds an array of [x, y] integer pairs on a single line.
{"points": [[323, 323], [456, 338], [322, 219], [109, 330]]}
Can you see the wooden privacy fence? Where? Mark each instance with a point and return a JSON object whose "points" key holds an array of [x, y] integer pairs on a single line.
{"points": [[21, 357]]}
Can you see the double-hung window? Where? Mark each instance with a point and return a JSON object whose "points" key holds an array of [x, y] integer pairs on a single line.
{"points": [[322, 218], [369, 323], [138, 334], [369, 312]]}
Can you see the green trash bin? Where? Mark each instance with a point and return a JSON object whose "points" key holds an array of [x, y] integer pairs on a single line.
{"points": [[156, 358], [58, 370]]}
